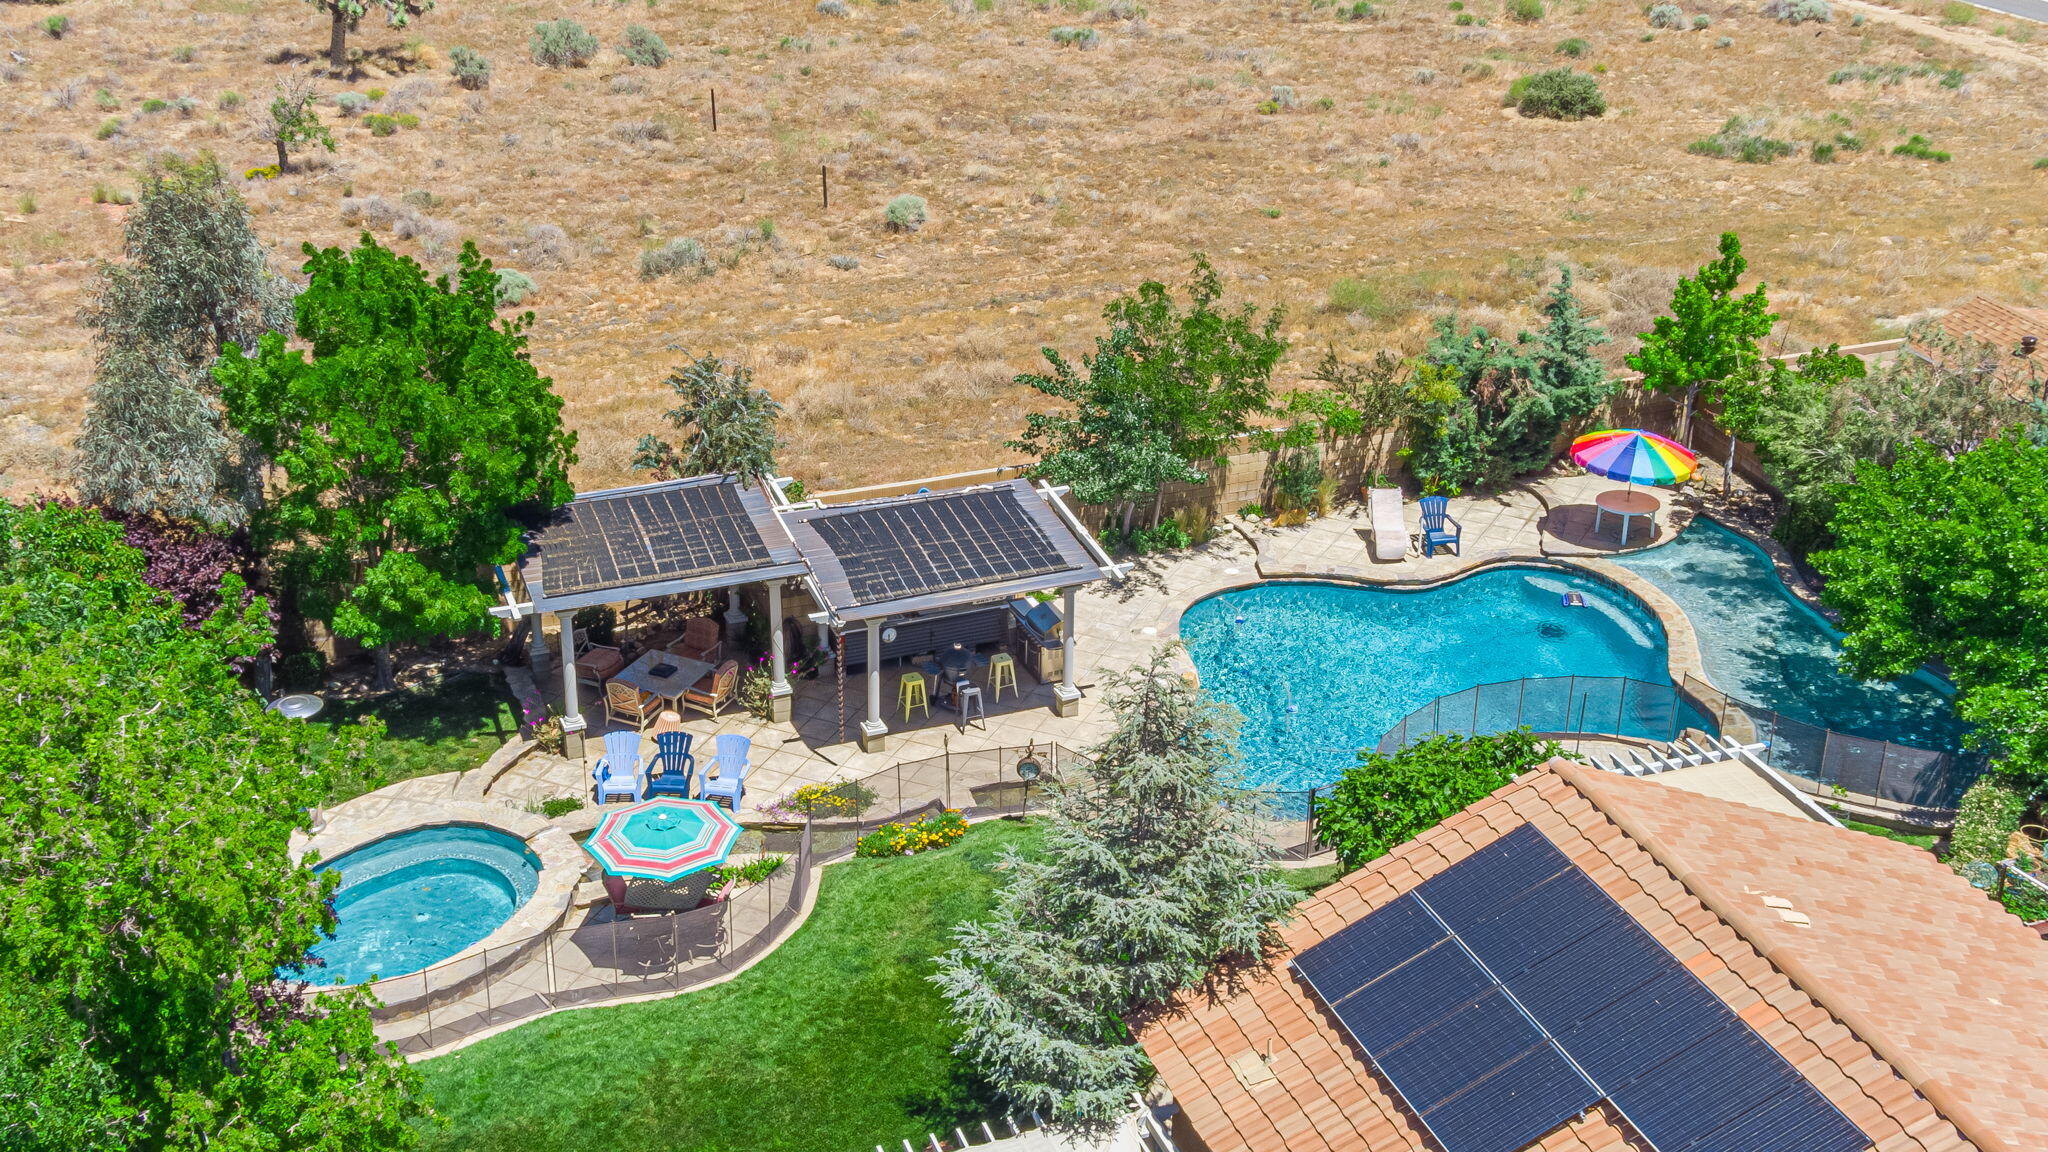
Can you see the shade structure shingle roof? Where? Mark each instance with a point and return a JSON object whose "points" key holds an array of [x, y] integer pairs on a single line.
{"points": [[1908, 1000]]}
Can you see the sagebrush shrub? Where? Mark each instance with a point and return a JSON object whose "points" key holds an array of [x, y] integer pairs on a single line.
{"points": [[1083, 38], [905, 213], [1573, 47], [1701, 21], [562, 44], [832, 8], [1743, 139], [674, 256], [1799, 11], [1666, 16], [471, 69], [642, 47], [1525, 11], [1559, 94], [843, 263], [513, 287], [350, 103]]}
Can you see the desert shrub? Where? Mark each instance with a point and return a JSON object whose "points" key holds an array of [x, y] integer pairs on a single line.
{"points": [[108, 129], [1921, 148], [1666, 16], [2041, 165], [905, 213], [381, 124], [1525, 11], [513, 287], [229, 101], [548, 246], [843, 263], [1725, 42], [56, 26], [184, 54], [154, 105], [1742, 138], [1573, 47], [1822, 153], [262, 172], [350, 103], [642, 47], [1957, 12], [674, 256], [1464, 20], [1283, 96], [105, 101], [562, 44], [1360, 10], [471, 69], [1799, 11], [1082, 38], [1701, 21], [1559, 94], [1366, 297], [832, 7], [636, 131]]}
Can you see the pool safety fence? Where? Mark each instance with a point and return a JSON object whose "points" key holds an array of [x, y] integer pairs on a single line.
{"points": [[1573, 709], [604, 959]]}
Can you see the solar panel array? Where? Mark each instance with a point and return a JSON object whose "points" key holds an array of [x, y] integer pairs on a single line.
{"points": [[893, 551], [649, 537], [1508, 994]]}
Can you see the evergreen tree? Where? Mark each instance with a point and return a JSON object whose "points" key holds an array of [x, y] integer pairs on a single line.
{"points": [[1152, 875], [196, 280], [728, 425], [406, 442]]}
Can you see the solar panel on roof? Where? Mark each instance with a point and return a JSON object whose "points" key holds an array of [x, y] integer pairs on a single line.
{"points": [[649, 537], [1509, 993], [893, 551]]}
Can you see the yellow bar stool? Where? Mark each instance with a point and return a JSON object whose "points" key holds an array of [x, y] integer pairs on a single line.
{"points": [[1002, 670], [910, 693]]}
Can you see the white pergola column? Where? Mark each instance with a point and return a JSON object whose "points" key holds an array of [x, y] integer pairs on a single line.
{"points": [[537, 656], [573, 723], [779, 691], [1066, 697], [735, 616], [872, 730]]}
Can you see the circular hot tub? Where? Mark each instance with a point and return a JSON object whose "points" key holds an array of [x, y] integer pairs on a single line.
{"points": [[414, 899]]}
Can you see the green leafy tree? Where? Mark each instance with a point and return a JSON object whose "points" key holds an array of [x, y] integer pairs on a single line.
{"points": [[1196, 377], [294, 123], [1945, 558], [345, 15], [1711, 335], [147, 892], [1390, 798], [1152, 875], [1492, 410], [406, 442], [1781, 409], [195, 280], [725, 424]]}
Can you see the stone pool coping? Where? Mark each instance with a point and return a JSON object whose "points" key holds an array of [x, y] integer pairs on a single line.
{"points": [[562, 864]]}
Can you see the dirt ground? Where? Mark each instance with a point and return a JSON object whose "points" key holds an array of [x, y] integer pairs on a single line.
{"points": [[1385, 168]]}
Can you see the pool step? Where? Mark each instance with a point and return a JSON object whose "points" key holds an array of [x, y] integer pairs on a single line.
{"points": [[1687, 752]]}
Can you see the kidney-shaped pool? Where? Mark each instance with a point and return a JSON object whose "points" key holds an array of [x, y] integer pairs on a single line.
{"points": [[414, 899], [1322, 670]]}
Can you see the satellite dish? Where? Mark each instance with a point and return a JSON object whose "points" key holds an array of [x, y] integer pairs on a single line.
{"points": [[888, 635]]}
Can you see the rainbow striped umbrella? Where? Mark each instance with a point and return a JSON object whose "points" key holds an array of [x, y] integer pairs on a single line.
{"points": [[665, 838], [1633, 455]]}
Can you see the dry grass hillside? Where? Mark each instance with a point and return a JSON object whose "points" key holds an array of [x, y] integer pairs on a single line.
{"points": [[1396, 184]]}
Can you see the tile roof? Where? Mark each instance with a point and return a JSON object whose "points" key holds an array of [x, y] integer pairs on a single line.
{"points": [[1871, 968]]}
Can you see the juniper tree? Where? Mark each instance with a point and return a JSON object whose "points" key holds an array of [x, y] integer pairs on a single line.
{"points": [[727, 424], [1152, 875], [196, 280]]}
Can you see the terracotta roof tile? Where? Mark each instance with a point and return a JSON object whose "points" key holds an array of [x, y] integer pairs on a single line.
{"points": [[1900, 954]]}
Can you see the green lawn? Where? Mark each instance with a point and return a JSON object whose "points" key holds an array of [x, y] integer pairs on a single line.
{"points": [[834, 1042], [1916, 840], [451, 725], [1308, 880]]}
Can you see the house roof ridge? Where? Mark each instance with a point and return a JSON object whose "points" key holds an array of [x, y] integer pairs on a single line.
{"points": [[1928, 1084]]}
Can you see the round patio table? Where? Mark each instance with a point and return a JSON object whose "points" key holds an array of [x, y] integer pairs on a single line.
{"points": [[1627, 503]]}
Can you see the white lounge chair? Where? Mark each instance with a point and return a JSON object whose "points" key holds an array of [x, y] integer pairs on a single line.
{"points": [[1389, 524]]}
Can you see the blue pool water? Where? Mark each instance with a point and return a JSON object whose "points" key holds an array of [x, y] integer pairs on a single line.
{"points": [[1320, 671], [412, 900], [1763, 646]]}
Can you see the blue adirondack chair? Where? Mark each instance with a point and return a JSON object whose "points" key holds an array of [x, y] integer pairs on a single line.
{"points": [[1438, 529], [618, 771], [672, 757], [731, 764]]}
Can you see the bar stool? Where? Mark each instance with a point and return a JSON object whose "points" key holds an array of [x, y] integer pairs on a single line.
{"points": [[1002, 671], [967, 696], [910, 693]]}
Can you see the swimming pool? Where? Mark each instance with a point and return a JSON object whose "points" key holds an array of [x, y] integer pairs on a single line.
{"points": [[1762, 645], [1320, 671], [412, 900]]}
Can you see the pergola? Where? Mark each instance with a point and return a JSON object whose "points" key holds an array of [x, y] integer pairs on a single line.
{"points": [[922, 558]]}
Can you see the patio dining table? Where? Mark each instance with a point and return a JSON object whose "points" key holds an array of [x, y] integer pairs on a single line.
{"points": [[671, 684]]}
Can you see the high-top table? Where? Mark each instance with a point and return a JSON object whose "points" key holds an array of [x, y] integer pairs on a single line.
{"points": [[1627, 503]]}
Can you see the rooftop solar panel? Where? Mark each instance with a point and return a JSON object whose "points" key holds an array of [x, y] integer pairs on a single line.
{"points": [[942, 542], [1509, 993], [648, 537]]}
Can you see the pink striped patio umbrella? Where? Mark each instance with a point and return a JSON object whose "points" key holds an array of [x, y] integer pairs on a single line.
{"points": [[663, 839]]}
